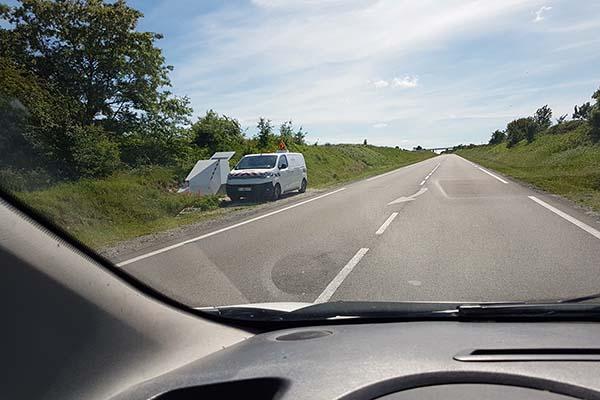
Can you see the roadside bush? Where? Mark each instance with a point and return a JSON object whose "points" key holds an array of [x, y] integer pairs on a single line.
{"points": [[519, 129], [24, 180], [94, 154], [497, 137], [565, 127], [141, 148], [594, 117], [583, 111], [595, 123], [217, 132], [32, 129]]}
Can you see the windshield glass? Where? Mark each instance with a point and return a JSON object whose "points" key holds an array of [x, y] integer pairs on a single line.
{"points": [[445, 152], [257, 162]]}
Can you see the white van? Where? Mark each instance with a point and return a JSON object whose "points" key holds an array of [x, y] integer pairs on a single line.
{"points": [[267, 176]]}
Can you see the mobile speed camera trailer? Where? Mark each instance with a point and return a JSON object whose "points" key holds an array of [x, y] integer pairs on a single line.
{"points": [[208, 176]]}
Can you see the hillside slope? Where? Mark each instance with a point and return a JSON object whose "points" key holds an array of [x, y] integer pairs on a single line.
{"points": [[567, 164], [101, 212]]}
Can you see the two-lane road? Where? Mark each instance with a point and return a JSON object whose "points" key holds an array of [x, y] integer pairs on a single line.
{"points": [[441, 229]]}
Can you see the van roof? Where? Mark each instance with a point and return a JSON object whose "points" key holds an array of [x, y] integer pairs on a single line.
{"points": [[270, 154]]}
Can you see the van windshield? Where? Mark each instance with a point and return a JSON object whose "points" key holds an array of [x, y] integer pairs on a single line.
{"points": [[257, 162]]}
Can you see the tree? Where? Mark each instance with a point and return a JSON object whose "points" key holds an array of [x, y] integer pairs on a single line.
{"points": [[594, 117], [162, 135], [217, 132], [561, 119], [100, 77], [417, 148], [365, 142], [497, 137], [595, 123], [286, 132], [299, 137], [265, 133], [93, 153], [91, 52], [37, 128], [583, 111], [543, 117], [519, 129]]}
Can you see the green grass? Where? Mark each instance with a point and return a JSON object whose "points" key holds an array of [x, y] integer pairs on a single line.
{"points": [[102, 212], [567, 164], [328, 165], [127, 204]]}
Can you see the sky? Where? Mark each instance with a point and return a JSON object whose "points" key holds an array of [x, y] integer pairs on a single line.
{"points": [[397, 73]]}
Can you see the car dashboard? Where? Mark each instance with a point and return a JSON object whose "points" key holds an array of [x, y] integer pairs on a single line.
{"points": [[399, 360]]}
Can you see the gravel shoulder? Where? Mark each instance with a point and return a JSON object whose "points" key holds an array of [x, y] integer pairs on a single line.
{"points": [[231, 212]]}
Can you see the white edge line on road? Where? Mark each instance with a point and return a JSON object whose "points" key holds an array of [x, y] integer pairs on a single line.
{"points": [[176, 245], [566, 216], [387, 223], [492, 175], [339, 278]]}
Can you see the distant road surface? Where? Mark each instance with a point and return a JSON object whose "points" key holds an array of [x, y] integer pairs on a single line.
{"points": [[442, 229]]}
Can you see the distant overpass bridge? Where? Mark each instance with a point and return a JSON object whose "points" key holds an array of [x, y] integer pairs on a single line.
{"points": [[440, 149]]}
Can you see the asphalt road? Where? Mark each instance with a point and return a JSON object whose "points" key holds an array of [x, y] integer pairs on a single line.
{"points": [[453, 232]]}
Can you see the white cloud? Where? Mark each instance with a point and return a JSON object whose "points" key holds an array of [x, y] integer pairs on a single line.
{"points": [[406, 82], [380, 125], [539, 14], [381, 84], [349, 64]]}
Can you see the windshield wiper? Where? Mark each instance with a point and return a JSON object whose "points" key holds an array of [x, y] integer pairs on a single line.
{"points": [[580, 299], [529, 312], [343, 310]]}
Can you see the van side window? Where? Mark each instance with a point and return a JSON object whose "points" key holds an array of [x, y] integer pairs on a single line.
{"points": [[283, 160]]}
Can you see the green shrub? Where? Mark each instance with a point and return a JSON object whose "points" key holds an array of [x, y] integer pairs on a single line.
{"points": [[520, 129], [94, 154], [25, 179], [595, 123], [565, 127], [217, 132]]}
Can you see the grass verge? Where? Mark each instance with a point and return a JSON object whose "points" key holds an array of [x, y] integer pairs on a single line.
{"points": [[566, 164], [103, 212]]}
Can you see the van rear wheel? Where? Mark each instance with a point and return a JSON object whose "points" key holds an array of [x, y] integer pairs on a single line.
{"points": [[302, 186], [276, 193]]}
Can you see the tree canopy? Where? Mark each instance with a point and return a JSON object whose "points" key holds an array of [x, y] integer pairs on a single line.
{"points": [[519, 129], [217, 132], [92, 52], [497, 137], [89, 85]]}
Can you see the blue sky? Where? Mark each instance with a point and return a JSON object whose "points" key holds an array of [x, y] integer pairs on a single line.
{"points": [[395, 72]]}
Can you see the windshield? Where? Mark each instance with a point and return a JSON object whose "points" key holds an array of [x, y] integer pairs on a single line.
{"points": [[257, 162], [445, 153]]}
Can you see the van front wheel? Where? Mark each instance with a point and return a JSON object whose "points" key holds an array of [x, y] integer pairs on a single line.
{"points": [[302, 186], [276, 192]]}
